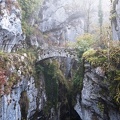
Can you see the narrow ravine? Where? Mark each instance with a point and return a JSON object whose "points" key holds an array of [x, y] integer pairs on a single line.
{"points": [[59, 60]]}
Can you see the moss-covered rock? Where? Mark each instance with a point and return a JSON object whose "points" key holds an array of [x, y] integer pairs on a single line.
{"points": [[109, 60], [13, 66]]}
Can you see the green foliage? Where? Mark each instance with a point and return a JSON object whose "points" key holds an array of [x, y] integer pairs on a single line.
{"points": [[78, 79], [24, 105], [53, 77], [89, 53], [84, 42], [15, 62], [39, 69], [27, 29], [96, 57], [101, 106], [71, 44], [109, 60], [113, 16], [51, 84], [28, 9]]}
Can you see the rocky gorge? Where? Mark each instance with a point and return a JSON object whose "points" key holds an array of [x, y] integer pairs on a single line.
{"points": [[41, 77]]}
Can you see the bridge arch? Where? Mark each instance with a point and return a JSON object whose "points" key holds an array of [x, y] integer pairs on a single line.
{"points": [[56, 52]]}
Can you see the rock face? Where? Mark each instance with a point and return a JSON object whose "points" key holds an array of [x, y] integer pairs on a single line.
{"points": [[20, 99], [12, 106], [115, 16], [94, 102], [61, 20], [10, 25]]}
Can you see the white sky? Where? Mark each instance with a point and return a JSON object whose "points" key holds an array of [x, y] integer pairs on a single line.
{"points": [[106, 5]]}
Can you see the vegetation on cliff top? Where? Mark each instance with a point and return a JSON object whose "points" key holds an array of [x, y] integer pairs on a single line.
{"points": [[29, 11], [13, 66], [109, 60]]}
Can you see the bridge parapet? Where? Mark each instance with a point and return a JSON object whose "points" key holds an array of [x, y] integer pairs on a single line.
{"points": [[57, 52]]}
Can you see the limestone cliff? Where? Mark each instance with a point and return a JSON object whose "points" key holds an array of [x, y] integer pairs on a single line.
{"points": [[115, 13], [20, 98], [11, 35], [55, 22], [49, 94], [61, 20], [94, 101]]}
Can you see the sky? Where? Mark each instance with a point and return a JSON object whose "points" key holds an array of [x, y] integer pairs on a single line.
{"points": [[106, 9], [106, 5]]}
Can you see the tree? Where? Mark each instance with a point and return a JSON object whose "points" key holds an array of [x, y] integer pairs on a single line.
{"points": [[88, 9], [100, 15], [84, 42]]}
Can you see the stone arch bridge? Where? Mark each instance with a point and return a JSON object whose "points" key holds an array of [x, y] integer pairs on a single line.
{"points": [[57, 52]]}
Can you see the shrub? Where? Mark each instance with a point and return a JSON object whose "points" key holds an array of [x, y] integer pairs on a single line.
{"points": [[109, 60]]}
